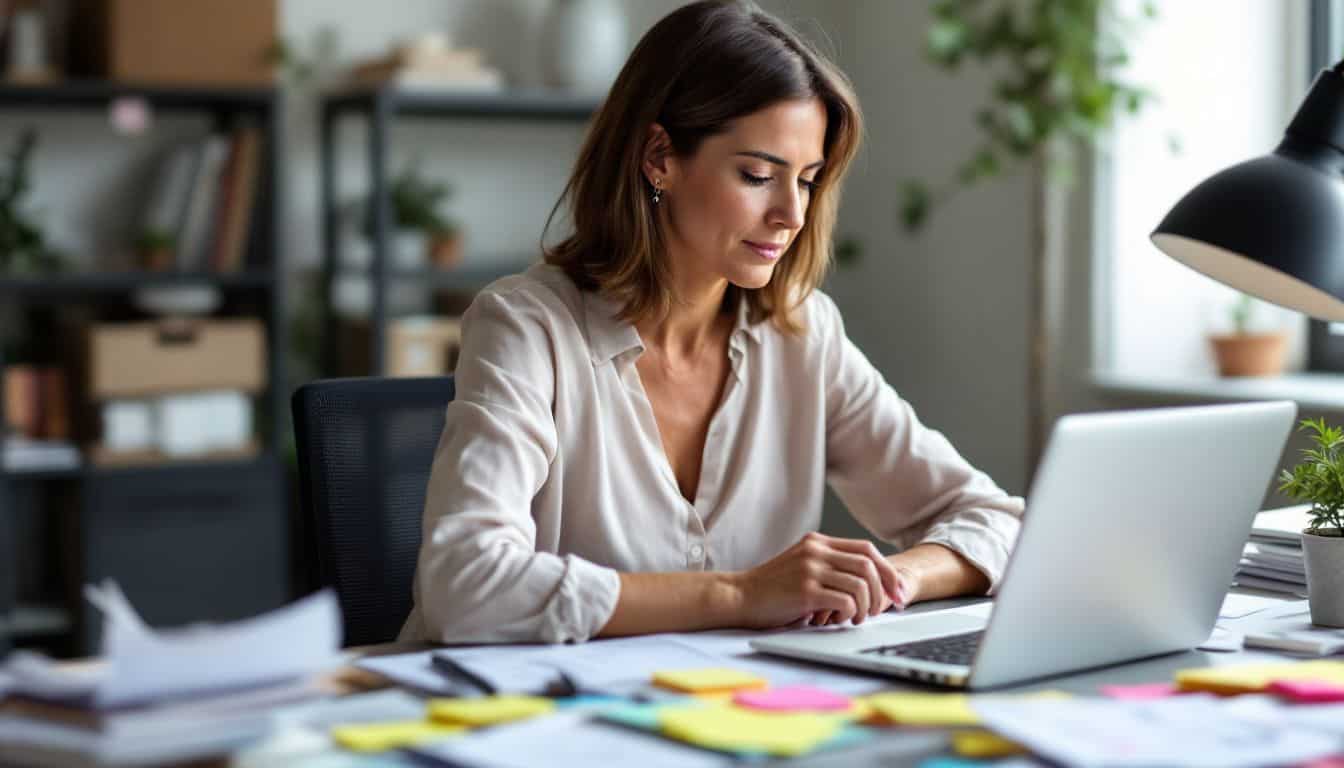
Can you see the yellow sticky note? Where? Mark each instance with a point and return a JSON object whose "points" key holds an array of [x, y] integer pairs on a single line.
{"points": [[488, 710], [731, 729], [983, 744], [707, 680], [930, 709], [940, 710], [380, 737], [1250, 678]]}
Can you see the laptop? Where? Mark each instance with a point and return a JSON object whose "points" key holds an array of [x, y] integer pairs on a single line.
{"points": [[1134, 527]]}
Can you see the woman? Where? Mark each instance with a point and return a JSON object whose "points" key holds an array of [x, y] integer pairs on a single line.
{"points": [[645, 423]]}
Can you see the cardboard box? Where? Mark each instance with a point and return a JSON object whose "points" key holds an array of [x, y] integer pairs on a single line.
{"points": [[139, 359], [175, 42], [423, 346]]}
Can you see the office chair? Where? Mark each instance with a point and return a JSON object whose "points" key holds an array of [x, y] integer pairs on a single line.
{"points": [[365, 447]]}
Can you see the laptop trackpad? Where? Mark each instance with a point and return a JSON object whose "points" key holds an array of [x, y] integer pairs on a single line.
{"points": [[892, 629]]}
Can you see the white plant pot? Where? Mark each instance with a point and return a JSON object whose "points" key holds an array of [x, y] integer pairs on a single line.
{"points": [[1324, 558], [582, 47], [409, 249]]}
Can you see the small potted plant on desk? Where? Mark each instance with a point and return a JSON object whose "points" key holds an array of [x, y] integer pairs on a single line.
{"points": [[1245, 352], [1319, 480]]}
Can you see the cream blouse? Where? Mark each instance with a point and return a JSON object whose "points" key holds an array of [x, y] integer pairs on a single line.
{"points": [[550, 476]]}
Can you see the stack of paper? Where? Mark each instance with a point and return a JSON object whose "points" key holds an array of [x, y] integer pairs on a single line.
{"points": [[1272, 559], [166, 696]]}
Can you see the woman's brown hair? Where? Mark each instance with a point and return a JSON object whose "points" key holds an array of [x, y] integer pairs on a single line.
{"points": [[699, 68]]}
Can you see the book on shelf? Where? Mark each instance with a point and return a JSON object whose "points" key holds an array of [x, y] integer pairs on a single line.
{"points": [[23, 454], [428, 64], [1281, 526], [203, 199]]}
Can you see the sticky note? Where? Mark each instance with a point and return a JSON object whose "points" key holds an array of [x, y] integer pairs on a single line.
{"points": [[929, 709], [732, 729], [793, 698], [380, 737], [1143, 692], [641, 716], [983, 744], [707, 680], [1253, 678], [488, 710], [1311, 691]]}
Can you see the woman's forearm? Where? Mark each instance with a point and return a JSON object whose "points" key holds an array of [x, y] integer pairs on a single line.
{"points": [[938, 572], [674, 602]]}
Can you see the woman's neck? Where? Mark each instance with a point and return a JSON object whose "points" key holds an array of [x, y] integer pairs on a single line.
{"points": [[694, 321]]}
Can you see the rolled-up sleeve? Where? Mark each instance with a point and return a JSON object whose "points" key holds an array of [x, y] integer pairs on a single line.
{"points": [[479, 577], [901, 480]]}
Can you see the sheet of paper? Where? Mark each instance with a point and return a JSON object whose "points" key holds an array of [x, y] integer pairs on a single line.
{"points": [[568, 741], [1224, 640], [417, 671], [1194, 731], [142, 664], [1237, 606], [299, 639]]}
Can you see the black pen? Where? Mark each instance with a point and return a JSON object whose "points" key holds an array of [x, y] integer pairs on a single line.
{"points": [[447, 665]]}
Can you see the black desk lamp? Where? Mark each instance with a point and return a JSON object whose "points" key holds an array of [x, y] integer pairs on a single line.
{"points": [[1273, 227]]}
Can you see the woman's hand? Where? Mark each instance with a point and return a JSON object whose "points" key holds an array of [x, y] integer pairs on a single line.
{"points": [[823, 579]]}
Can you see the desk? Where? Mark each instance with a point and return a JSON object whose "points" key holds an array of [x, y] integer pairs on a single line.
{"points": [[901, 749]]}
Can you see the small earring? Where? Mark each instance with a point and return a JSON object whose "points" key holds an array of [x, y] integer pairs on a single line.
{"points": [[657, 191]]}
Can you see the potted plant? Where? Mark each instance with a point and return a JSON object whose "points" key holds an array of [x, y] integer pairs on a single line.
{"points": [[1245, 352], [422, 231], [154, 250], [1058, 88], [1319, 481], [23, 247]]}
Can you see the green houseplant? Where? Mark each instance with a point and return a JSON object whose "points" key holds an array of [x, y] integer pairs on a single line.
{"points": [[23, 247], [1319, 481], [1056, 90], [416, 205], [1245, 351]]}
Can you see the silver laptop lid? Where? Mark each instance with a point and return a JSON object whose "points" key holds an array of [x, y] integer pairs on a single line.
{"points": [[1134, 526]]}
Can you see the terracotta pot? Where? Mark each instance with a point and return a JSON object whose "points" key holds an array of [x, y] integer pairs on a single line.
{"points": [[445, 251], [157, 259], [1250, 354]]}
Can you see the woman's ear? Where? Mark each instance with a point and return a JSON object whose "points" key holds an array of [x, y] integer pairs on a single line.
{"points": [[659, 161]]}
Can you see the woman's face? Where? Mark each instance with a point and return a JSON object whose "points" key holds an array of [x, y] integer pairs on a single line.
{"points": [[736, 205]]}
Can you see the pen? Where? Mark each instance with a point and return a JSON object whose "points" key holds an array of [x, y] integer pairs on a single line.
{"points": [[446, 665]]}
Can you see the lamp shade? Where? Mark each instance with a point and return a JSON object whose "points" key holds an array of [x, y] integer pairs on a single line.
{"points": [[1273, 227]]}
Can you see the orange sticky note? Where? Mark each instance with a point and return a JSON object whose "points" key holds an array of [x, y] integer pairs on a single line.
{"points": [[707, 680]]}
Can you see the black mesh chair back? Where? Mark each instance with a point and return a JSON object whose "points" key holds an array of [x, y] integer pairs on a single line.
{"points": [[365, 447]]}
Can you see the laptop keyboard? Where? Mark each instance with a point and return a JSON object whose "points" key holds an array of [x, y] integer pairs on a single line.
{"points": [[950, 649]]}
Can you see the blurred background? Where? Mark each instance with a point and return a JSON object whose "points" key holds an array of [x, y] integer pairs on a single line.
{"points": [[205, 203]]}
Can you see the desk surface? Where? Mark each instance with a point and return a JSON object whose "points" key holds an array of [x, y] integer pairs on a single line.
{"points": [[900, 750]]}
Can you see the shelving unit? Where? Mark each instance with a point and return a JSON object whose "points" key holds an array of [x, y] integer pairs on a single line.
{"points": [[190, 540], [381, 106]]}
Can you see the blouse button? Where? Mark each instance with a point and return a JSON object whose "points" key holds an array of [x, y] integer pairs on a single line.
{"points": [[697, 552]]}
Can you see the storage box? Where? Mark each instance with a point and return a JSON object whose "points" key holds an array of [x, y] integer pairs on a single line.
{"points": [[178, 42], [139, 359], [423, 346]]}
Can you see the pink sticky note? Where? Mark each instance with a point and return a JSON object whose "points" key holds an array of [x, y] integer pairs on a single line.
{"points": [[1306, 690], [792, 698], [1140, 692], [1334, 761]]}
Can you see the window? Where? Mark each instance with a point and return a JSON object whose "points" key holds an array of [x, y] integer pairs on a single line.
{"points": [[1226, 75]]}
